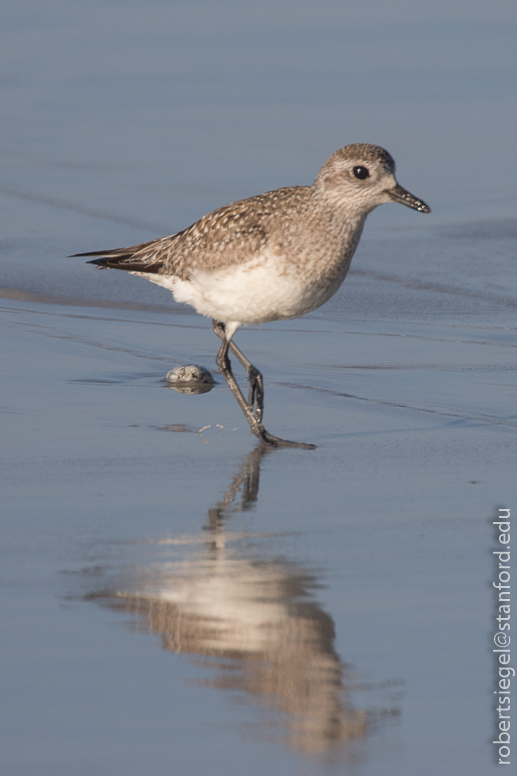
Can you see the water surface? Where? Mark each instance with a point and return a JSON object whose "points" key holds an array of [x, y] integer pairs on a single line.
{"points": [[174, 600]]}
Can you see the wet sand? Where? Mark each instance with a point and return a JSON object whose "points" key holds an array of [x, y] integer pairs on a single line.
{"points": [[175, 601], [173, 593]]}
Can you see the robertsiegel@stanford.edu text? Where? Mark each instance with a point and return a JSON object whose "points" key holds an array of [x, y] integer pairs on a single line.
{"points": [[502, 637]]}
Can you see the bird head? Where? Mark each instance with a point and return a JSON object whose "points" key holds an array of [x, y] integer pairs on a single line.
{"points": [[360, 177]]}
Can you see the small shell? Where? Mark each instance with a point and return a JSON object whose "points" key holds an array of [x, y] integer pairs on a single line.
{"points": [[190, 378]]}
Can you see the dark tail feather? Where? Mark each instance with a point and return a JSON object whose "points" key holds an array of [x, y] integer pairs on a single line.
{"points": [[101, 263], [94, 253], [120, 253], [125, 263], [125, 258]]}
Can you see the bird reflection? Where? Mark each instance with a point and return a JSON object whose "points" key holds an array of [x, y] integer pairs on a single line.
{"points": [[251, 618]]}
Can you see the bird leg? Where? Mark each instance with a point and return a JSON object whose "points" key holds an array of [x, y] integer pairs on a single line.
{"points": [[256, 391], [255, 380], [256, 384]]}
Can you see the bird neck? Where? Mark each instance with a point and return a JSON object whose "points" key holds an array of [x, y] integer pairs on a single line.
{"points": [[343, 219]]}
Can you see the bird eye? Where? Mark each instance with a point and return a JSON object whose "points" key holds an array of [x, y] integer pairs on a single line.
{"points": [[361, 172]]}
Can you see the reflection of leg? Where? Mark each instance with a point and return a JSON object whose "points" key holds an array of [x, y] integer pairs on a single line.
{"points": [[256, 383], [248, 477], [223, 362], [252, 476]]}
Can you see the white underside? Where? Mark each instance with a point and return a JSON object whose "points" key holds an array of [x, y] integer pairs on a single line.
{"points": [[256, 292]]}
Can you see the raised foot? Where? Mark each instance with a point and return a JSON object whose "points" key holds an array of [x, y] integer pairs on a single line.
{"points": [[274, 441]]}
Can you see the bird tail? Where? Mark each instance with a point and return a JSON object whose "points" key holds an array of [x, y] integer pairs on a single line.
{"points": [[136, 258]]}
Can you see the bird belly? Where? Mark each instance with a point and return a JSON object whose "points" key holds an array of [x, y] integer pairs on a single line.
{"points": [[264, 289]]}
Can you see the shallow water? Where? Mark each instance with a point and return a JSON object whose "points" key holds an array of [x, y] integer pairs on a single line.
{"points": [[174, 600]]}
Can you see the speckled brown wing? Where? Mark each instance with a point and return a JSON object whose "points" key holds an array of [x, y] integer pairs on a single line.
{"points": [[217, 240]]}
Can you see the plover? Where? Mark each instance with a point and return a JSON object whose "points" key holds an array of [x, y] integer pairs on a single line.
{"points": [[274, 256]]}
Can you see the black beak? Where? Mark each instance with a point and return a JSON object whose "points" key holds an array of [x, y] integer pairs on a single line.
{"points": [[398, 194]]}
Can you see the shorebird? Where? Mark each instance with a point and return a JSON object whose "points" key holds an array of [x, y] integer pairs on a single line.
{"points": [[274, 256]]}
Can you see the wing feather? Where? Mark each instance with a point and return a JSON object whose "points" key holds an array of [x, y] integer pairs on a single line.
{"points": [[220, 239]]}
